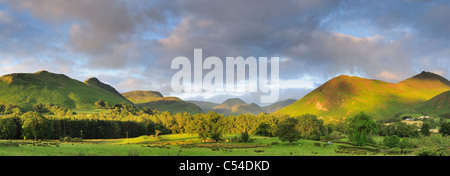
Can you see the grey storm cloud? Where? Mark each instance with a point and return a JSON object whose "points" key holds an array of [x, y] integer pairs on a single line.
{"points": [[140, 38], [97, 23]]}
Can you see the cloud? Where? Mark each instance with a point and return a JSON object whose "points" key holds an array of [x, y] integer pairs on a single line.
{"points": [[131, 44], [98, 29], [31, 65], [4, 17], [439, 72], [386, 75]]}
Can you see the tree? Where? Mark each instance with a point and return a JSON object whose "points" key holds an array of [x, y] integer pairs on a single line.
{"points": [[391, 141], [400, 129], [310, 127], [441, 120], [35, 125], [264, 129], [100, 103], [287, 130], [244, 136], [445, 128], [40, 108], [8, 128], [157, 132], [425, 129], [446, 115], [360, 129], [210, 125], [216, 126]]}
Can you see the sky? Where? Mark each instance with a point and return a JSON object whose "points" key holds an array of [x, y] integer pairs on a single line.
{"points": [[131, 44]]}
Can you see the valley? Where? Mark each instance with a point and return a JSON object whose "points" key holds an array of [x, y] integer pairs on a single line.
{"points": [[51, 114]]}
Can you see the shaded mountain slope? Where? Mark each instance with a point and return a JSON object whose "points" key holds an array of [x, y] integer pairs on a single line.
{"points": [[155, 100]]}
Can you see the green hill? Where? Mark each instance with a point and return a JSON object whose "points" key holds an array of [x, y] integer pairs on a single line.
{"points": [[28, 89], [226, 108], [140, 96], [438, 105], [155, 100], [344, 96], [235, 106], [278, 105], [250, 108], [204, 105]]}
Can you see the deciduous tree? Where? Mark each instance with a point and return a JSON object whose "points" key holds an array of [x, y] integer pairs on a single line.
{"points": [[35, 125], [360, 128], [445, 128], [287, 130]]}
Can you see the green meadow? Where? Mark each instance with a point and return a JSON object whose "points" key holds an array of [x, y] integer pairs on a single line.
{"points": [[188, 145]]}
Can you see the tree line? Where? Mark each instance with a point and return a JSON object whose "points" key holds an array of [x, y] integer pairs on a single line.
{"points": [[47, 121]]}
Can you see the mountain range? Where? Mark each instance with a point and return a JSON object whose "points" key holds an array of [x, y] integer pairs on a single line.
{"points": [[236, 106], [345, 96], [340, 97], [155, 100]]}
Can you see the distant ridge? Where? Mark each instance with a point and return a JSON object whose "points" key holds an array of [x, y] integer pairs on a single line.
{"points": [[278, 105], [228, 105], [140, 96], [155, 100], [204, 105], [236, 106]]}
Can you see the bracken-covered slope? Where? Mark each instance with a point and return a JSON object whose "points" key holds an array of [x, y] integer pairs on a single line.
{"points": [[155, 100], [28, 89], [345, 96], [438, 105]]}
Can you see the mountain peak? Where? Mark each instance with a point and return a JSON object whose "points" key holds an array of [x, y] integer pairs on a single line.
{"points": [[93, 81], [142, 93], [227, 105], [342, 83], [42, 72], [424, 75], [233, 101], [343, 76], [427, 75], [29, 78]]}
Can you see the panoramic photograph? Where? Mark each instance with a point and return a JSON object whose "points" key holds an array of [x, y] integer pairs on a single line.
{"points": [[211, 78]]}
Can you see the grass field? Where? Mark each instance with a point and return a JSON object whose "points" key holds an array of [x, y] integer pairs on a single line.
{"points": [[184, 145]]}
